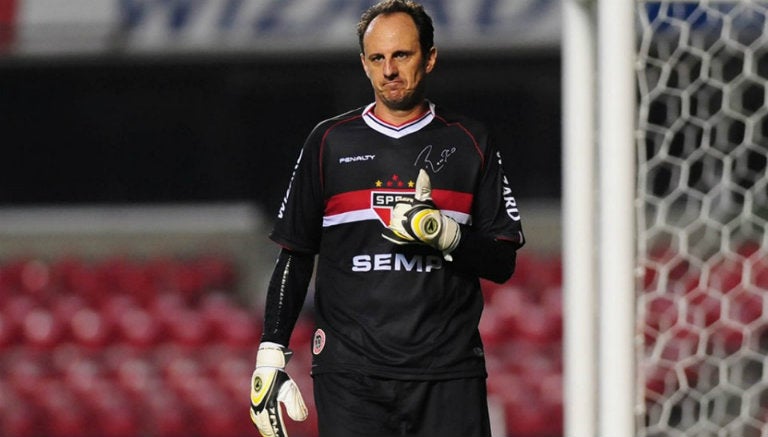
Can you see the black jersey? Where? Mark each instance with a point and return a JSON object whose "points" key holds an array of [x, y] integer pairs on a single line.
{"points": [[398, 311]]}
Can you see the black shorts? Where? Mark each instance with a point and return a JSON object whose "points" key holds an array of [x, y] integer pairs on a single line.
{"points": [[353, 405]]}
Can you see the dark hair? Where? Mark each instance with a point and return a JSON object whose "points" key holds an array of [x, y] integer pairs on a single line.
{"points": [[416, 11]]}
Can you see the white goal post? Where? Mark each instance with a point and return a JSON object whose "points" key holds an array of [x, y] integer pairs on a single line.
{"points": [[665, 217], [598, 223]]}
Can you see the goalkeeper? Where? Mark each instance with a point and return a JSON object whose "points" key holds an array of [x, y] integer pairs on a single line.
{"points": [[400, 207]]}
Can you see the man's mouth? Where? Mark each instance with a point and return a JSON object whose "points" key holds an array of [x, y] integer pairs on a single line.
{"points": [[393, 84]]}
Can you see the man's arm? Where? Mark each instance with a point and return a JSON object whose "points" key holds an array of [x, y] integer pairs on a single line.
{"points": [[418, 220], [485, 256], [270, 384], [285, 295]]}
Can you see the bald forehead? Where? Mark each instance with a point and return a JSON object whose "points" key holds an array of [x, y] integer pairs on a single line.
{"points": [[396, 26]]}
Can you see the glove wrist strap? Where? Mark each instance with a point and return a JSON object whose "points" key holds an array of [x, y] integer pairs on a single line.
{"points": [[270, 356]]}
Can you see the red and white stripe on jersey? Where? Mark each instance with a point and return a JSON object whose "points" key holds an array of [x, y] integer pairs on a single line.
{"points": [[355, 206], [401, 130]]}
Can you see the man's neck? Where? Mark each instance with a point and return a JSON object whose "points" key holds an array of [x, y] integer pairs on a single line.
{"points": [[396, 116]]}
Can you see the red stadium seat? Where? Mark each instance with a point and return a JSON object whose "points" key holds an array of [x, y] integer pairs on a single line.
{"points": [[136, 327], [113, 414], [540, 324], [42, 329], [66, 305], [524, 415], [744, 306], [17, 307], [229, 323], [35, 277], [166, 415], [703, 307], [187, 328], [726, 339], [183, 278], [725, 275], [9, 331], [20, 419], [217, 272], [231, 371], [680, 343], [492, 329], [65, 415], [123, 275], [181, 372], [77, 276], [510, 302], [91, 328], [660, 380], [661, 311], [759, 273]]}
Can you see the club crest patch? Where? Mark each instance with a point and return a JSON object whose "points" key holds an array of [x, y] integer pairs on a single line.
{"points": [[318, 342], [391, 191]]}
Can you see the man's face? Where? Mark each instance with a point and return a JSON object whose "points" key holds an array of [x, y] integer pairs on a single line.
{"points": [[393, 61]]}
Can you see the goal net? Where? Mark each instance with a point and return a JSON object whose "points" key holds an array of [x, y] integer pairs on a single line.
{"points": [[702, 199]]}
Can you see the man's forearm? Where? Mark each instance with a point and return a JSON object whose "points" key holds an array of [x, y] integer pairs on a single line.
{"points": [[484, 256], [285, 295]]}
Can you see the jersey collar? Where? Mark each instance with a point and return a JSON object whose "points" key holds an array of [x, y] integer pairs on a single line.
{"points": [[398, 131]]}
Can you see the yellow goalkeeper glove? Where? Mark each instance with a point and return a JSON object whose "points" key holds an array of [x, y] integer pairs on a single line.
{"points": [[271, 386], [418, 220]]}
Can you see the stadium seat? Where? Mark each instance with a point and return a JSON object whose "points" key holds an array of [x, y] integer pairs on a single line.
{"points": [[492, 328], [77, 276], [231, 371], [703, 307], [229, 323], [744, 306], [34, 277], [136, 327], [90, 328], [16, 308], [524, 414], [116, 418], [680, 342], [166, 415], [759, 273], [9, 331], [65, 415], [725, 275], [661, 311], [43, 329], [17, 417], [725, 339]]}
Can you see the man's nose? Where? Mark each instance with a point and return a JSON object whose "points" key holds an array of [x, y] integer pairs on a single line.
{"points": [[390, 69]]}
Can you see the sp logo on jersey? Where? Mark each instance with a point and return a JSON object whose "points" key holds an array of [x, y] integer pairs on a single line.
{"points": [[391, 191], [383, 201]]}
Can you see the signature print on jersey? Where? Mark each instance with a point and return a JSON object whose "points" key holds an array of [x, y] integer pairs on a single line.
{"points": [[426, 160]]}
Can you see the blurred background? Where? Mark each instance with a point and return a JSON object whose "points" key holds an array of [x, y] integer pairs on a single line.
{"points": [[146, 147]]}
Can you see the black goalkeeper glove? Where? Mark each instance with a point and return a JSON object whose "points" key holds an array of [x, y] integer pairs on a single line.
{"points": [[418, 220], [270, 386]]}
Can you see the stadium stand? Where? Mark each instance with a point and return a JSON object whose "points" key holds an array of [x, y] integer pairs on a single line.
{"points": [[163, 346], [126, 322]]}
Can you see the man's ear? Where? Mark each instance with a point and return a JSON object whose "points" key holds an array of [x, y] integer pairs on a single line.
{"points": [[431, 60], [365, 67]]}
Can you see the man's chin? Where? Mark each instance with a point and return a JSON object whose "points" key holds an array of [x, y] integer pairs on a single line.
{"points": [[403, 103]]}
